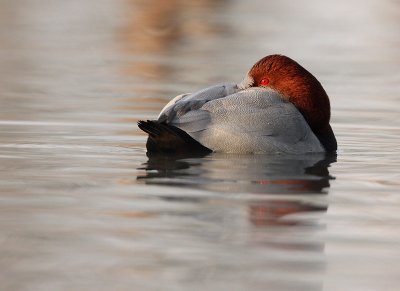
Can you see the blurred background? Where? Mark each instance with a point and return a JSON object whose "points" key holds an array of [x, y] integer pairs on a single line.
{"points": [[82, 207]]}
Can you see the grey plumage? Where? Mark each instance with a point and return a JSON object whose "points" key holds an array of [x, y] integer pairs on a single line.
{"points": [[254, 120]]}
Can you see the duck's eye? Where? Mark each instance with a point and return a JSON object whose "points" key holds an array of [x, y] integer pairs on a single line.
{"points": [[264, 82]]}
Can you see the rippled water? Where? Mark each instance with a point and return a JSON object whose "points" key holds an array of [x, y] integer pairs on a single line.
{"points": [[83, 208]]}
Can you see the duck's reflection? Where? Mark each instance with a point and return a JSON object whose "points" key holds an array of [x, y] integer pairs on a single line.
{"points": [[270, 213], [278, 176], [242, 173]]}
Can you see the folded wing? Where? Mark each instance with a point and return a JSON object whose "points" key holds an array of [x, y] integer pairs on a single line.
{"points": [[251, 120], [227, 119]]}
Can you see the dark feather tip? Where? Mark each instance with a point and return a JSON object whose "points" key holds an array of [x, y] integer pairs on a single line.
{"points": [[165, 138]]}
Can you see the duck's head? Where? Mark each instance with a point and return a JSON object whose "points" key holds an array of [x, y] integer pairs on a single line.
{"points": [[298, 86]]}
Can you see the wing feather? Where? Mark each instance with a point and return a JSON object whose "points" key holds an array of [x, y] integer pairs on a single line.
{"points": [[225, 118]]}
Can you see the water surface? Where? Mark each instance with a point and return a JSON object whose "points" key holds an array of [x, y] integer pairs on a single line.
{"points": [[84, 208]]}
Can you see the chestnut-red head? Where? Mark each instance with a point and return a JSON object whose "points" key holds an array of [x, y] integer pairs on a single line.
{"points": [[298, 86]]}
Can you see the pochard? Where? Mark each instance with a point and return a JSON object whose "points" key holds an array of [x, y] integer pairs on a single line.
{"points": [[279, 107]]}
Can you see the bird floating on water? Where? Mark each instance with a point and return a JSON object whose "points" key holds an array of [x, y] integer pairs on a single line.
{"points": [[279, 107]]}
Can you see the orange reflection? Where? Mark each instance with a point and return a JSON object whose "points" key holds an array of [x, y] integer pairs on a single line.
{"points": [[273, 212], [158, 28], [297, 185]]}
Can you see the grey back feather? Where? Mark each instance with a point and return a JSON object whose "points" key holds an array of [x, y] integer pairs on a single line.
{"points": [[250, 120]]}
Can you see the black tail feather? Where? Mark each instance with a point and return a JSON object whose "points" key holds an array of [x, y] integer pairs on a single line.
{"points": [[169, 139]]}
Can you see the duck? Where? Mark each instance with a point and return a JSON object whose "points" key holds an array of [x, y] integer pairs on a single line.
{"points": [[279, 107]]}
